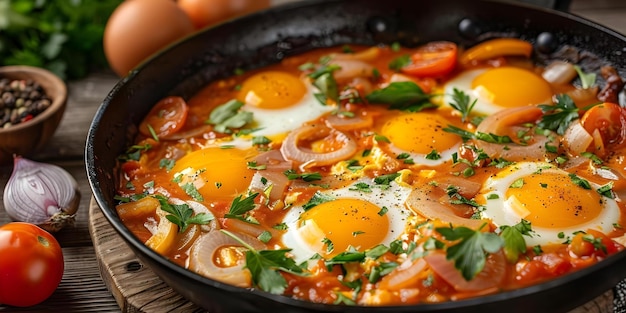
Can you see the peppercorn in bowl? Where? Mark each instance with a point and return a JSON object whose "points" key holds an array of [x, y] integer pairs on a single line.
{"points": [[32, 103]]}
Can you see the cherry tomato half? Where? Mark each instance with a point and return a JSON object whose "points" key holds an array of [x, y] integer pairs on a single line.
{"points": [[31, 264], [433, 59], [609, 119], [167, 117]]}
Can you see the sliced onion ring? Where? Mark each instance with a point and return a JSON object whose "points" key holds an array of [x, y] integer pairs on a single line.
{"points": [[349, 123], [422, 203], [503, 119], [291, 150], [202, 258]]}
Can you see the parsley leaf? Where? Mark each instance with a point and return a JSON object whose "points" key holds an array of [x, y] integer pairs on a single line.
{"points": [[469, 253], [182, 215], [227, 117], [461, 103], [407, 96], [317, 199], [398, 63], [514, 243], [264, 265], [308, 177], [579, 181], [560, 115], [239, 208]]}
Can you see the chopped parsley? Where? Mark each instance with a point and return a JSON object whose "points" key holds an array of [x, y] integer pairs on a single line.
{"points": [[558, 117], [461, 103], [182, 215], [227, 117], [308, 177], [240, 208]]}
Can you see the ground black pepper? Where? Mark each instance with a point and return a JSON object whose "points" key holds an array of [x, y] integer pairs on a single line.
{"points": [[20, 101]]}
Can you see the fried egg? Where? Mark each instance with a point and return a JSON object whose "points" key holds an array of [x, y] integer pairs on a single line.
{"points": [[351, 216], [499, 88], [421, 136], [279, 102], [550, 199], [213, 172]]}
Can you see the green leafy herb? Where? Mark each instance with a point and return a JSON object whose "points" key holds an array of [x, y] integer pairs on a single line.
{"points": [[558, 117], [328, 88], [518, 183], [260, 140], [182, 215], [386, 179], [362, 187], [407, 96], [381, 138], [317, 199], [513, 236], [398, 63], [240, 208], [587, 80], [579, 181], [227, 117], [191, 190], [383, 211], [63, 36], [265, 266], [167, 164], [457, 198], [308, 177], [596, 160], [461, 103], [254, 166], [265, 236], [329, 245], [433, 155], [469, 252], [607, 190]]}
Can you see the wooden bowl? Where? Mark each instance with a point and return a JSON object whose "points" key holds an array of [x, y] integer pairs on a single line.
{"points": [[27, 137]]}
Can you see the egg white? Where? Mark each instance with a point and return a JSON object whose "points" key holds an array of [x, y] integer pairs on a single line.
{"points": [[420, 158], [463, 82], [499, 209], [276, 123], [393, 198]]}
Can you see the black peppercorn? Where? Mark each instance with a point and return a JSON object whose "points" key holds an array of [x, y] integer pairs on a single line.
{"points": [[20, 101]]}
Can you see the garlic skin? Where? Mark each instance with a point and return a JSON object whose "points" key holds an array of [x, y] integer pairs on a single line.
{"points": [[42, 194]]}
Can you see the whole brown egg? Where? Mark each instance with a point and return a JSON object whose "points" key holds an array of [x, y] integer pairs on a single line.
{"points": [[139, 28]]}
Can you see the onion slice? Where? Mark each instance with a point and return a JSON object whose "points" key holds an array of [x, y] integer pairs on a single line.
{"points": [[559, 73], [576, 138], [203, 255], [500, 121], [292, 151], [422, 203], [491, 276], [351, 69]]}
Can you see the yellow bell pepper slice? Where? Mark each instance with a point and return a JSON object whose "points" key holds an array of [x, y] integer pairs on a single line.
{"points": [[165, 234], [495, 48]]}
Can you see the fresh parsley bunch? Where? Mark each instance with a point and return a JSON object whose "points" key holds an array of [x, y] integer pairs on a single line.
{"points": [[63, 36]]}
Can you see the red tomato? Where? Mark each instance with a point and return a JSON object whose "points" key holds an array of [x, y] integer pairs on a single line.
{"points": [[609, 119], [207, 12], [167, 117], [433, 59], [31, 266]]}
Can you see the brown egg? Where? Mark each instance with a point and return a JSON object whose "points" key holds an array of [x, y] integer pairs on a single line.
{"points": [[139, 28]]}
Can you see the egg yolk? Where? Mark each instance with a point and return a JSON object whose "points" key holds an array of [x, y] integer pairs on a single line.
{"points": [[345, 223], [272, 90], [553, 200], [214, 172], [419, 133], [512, 87]]}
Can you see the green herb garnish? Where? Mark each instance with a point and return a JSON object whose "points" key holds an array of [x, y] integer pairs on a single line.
{"points": [[406, 96], [182, 215]]}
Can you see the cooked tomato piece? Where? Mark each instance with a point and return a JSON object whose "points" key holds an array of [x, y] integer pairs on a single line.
{"points": [[433, 59], [609, 119], [167, 117]]}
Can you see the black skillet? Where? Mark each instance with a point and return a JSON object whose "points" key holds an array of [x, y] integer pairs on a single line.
{"points": [[269, 36]]}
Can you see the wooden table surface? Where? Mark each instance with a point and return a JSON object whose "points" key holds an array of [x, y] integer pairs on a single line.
{"points": [[82, 289]]}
